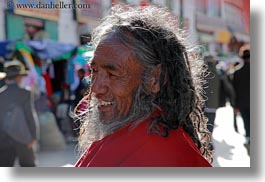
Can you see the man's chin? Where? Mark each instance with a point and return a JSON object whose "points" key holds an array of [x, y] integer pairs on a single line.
{"points": [[109, 119], [106, 119]]}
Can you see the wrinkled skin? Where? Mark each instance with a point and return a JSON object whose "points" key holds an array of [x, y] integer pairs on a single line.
{"points": [[116, 75]]}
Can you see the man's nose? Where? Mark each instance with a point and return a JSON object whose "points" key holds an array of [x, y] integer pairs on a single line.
{"points": [[99, 85]]}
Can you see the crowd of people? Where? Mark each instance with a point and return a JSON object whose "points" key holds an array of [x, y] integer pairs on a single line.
{"points": [[230, 84], [145, 103]]}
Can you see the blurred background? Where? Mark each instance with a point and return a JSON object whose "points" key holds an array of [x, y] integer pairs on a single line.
{"points": [[53, 44]]}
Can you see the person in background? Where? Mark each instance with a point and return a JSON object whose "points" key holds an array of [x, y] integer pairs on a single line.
{"points": [[2, 75], [241, 83], [212, 90], [19, 125], [144, 106], [82, 86], [79, 93], [3, 87]]}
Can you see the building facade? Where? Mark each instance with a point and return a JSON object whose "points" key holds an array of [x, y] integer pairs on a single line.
{"points": [[221, 24], [69, 21], [216, 25]]}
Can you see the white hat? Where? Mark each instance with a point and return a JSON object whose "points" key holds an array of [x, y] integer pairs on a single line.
{"points": [[14, 68]]}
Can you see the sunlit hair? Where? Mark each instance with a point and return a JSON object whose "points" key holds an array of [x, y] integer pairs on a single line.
{"points": [[154, 37]]}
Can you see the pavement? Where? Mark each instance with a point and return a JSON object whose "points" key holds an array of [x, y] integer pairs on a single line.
{"points": [[229, 150], [58, 158]]}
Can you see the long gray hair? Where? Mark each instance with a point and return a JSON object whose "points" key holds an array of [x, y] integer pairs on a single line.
{"points": [[154, 37]]}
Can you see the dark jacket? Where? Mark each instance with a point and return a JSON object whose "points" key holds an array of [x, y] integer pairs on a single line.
{"points": [[22, 98], [212, 88], [241, 84], [80, 90]]}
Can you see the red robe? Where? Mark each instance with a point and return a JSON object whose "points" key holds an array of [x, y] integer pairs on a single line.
{"points": [[135, 147]]}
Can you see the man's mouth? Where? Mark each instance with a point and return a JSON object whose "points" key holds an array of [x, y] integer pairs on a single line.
{"points": [[104, 104]]}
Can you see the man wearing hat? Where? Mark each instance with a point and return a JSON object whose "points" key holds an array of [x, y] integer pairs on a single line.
{"points": [[18, 119]]}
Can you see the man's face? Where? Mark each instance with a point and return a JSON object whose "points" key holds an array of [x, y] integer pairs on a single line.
{"points": [[80, 74], [115, 78]]}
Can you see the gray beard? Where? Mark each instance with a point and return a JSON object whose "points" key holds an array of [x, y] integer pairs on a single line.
{"points": [[93, 129]]}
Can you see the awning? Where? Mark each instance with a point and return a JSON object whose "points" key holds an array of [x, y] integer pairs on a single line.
{"points": [[50, 49]]}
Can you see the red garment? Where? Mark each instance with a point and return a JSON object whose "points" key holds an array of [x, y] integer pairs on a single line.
{"points": [[48, 84], [136, 147]]}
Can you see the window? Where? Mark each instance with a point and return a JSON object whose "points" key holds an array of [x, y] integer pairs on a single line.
{"points": [[214, 9], [201, 6]]}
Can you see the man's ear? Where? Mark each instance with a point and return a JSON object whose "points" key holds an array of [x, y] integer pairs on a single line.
{"points": [[154, 82]]}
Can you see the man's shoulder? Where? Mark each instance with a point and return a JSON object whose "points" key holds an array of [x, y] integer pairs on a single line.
{"points": [[177, 149], [137, 147], [24, 91], [177, 139], [19, 92]]}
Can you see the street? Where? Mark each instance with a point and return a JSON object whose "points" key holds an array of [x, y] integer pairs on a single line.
{"points": [[229, 145], [229, 150]]}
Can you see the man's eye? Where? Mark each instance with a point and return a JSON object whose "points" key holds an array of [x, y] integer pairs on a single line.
{"points": [[112, 75], [94, 70]]}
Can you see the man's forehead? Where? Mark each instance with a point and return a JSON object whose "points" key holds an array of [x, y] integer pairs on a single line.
{"points": [[112, 41], [113, 51]]}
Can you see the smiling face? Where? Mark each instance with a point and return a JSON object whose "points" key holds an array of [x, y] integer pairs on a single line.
{"points": [[116, 76]]}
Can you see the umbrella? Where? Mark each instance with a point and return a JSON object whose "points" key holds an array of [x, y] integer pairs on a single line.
{"points": [[7, 47], [49, 49], [84, 58]]}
